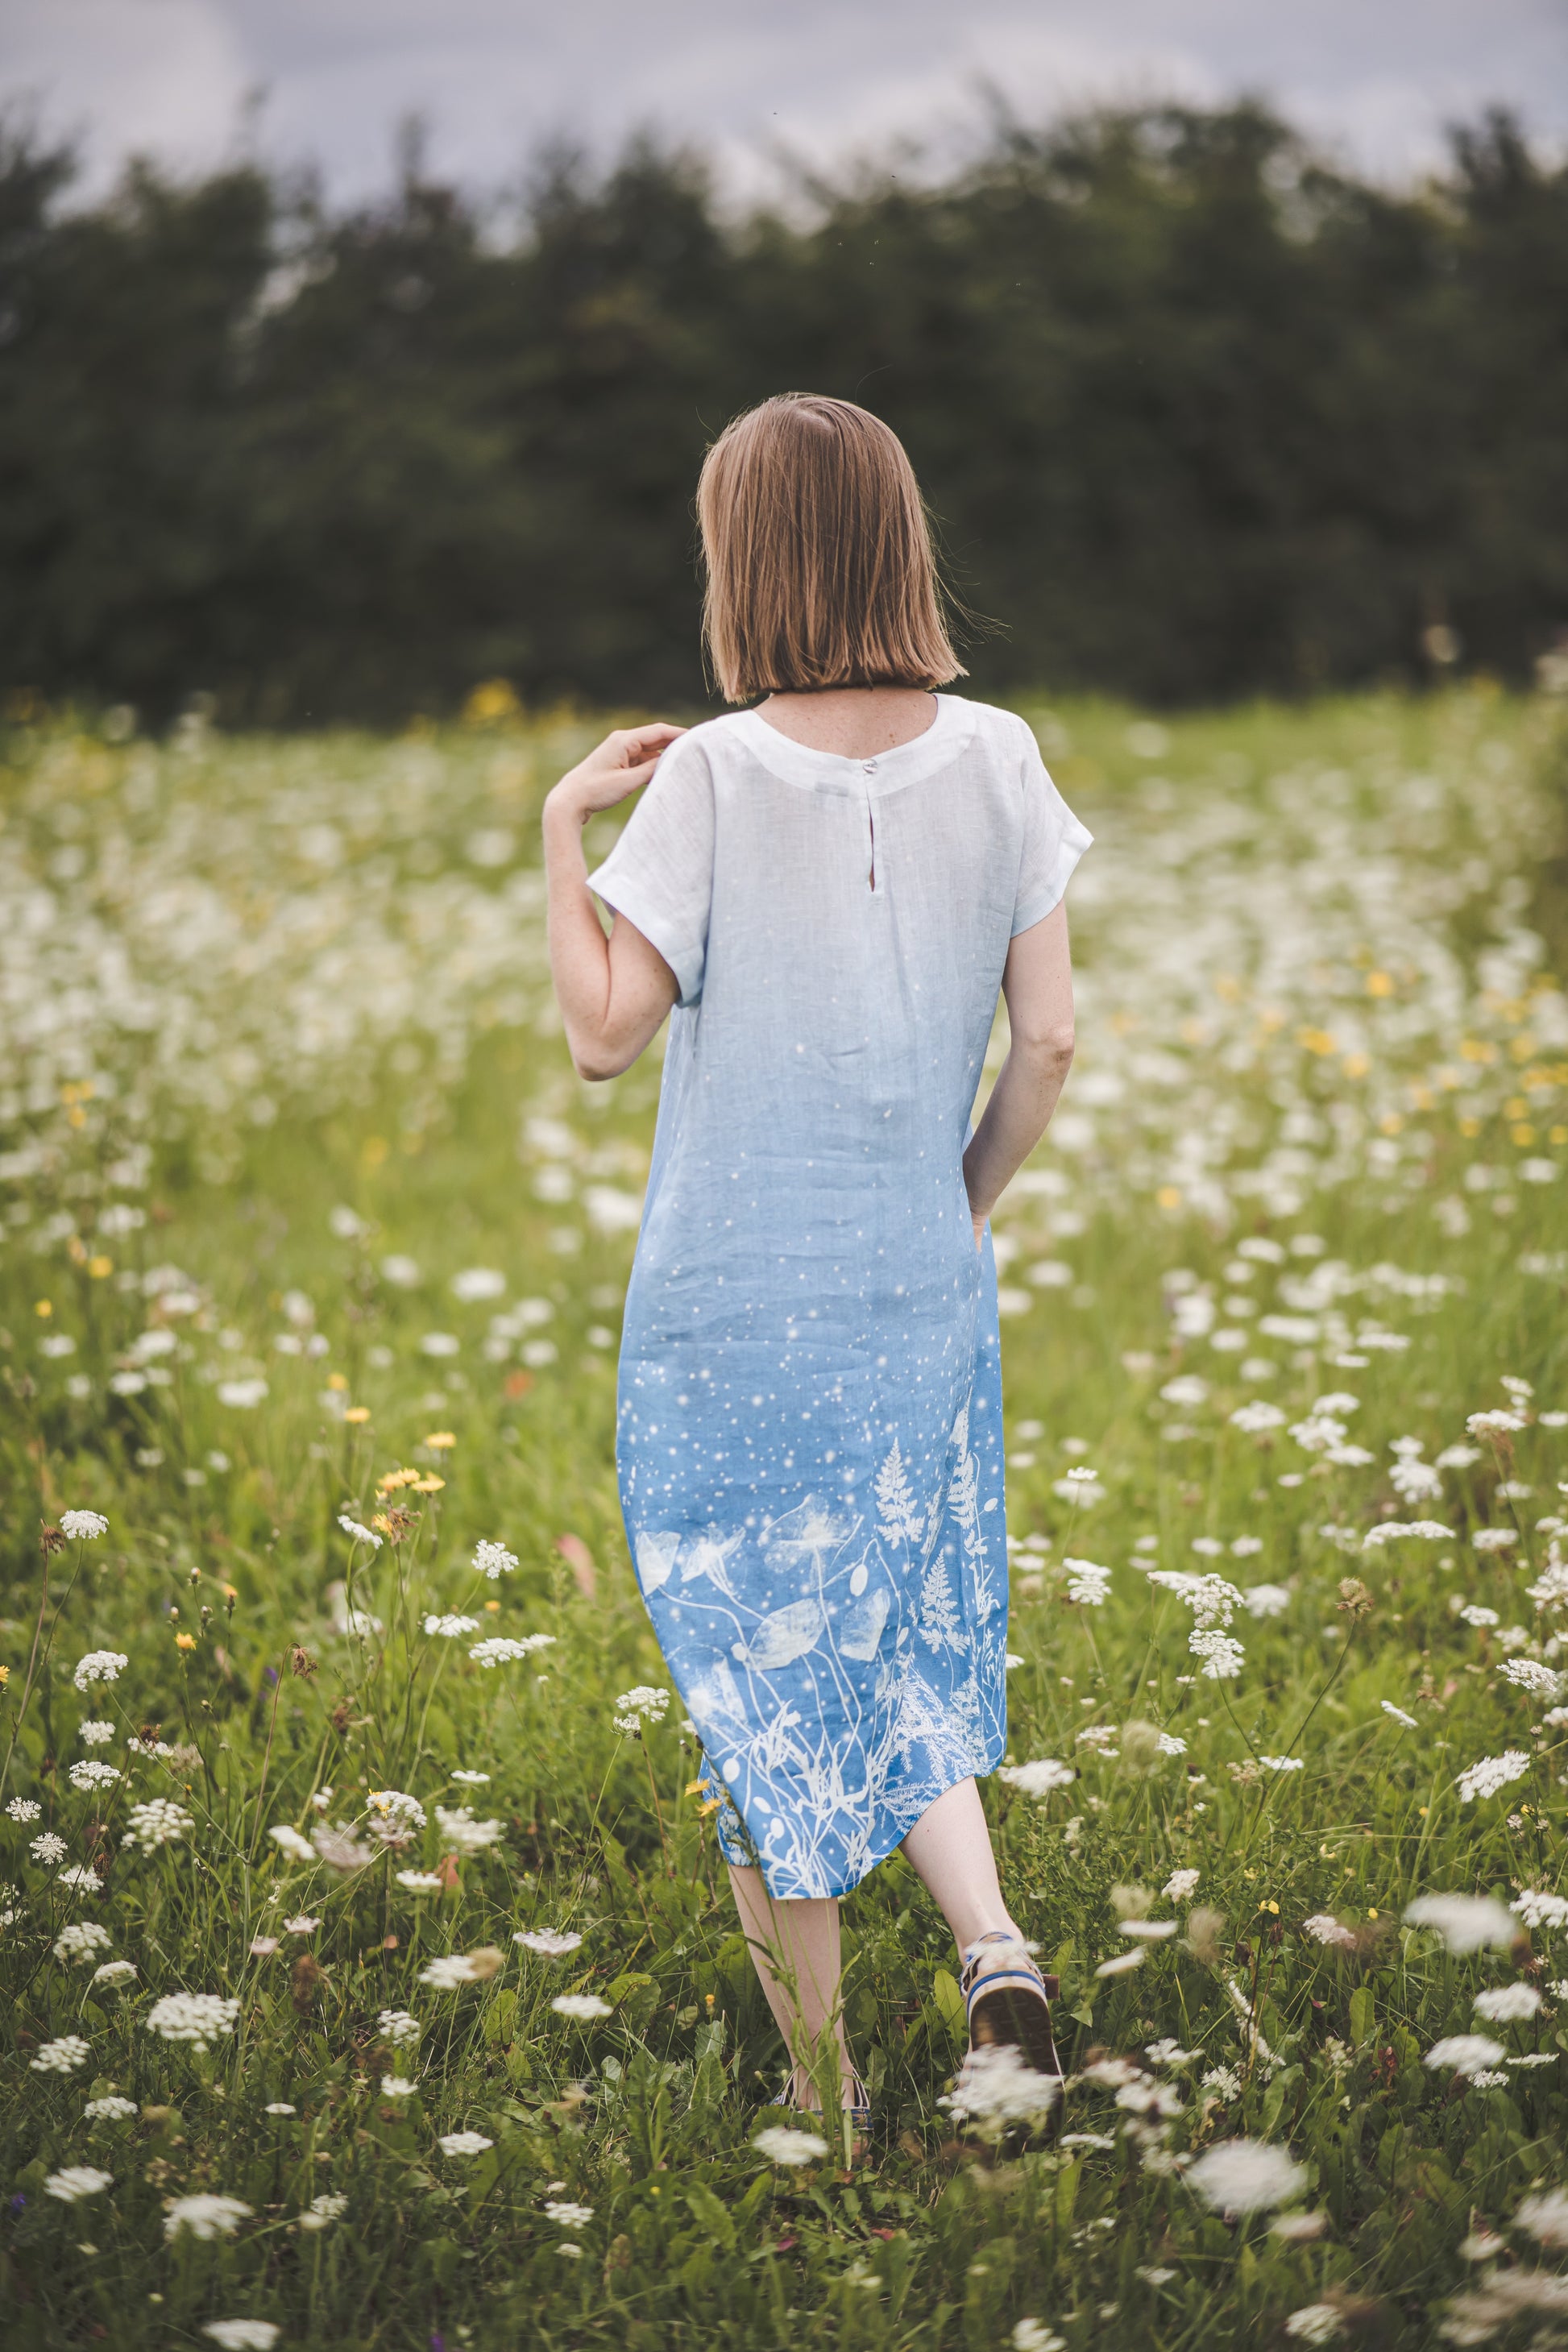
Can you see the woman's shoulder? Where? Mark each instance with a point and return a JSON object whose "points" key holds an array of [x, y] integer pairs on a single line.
{"points": [[993, 727]]}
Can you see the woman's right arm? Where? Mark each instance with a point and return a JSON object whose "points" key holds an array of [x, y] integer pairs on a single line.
{"points": [[613, 993], [1037, 983]]}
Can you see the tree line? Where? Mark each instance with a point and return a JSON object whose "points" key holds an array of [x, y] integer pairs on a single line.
{"points": [[1199, 414]]}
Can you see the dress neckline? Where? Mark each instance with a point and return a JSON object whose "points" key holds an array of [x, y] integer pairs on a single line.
{"points": [[879, 771]]}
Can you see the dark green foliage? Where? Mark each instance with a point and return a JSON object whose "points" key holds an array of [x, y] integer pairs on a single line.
{"points": [[1199, 415]]}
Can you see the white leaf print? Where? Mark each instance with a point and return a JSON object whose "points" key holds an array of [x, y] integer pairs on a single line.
{"points": [[941, 1624], [785, 1637], [901, 1518], [863, 1626], [707, 1557], [657, 1551], [716, 1699], [806, 1532]]}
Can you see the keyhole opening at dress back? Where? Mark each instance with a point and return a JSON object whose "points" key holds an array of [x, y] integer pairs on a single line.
{"points": [[871, 836]]}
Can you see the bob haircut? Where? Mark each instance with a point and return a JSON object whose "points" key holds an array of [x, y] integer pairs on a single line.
{"points": [[820, 566]]}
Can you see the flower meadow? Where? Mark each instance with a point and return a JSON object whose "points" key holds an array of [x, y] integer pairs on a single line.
{"points": [[370, 1975]]}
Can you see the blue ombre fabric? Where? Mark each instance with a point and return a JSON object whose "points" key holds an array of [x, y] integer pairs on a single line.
{"points": [[809, 1432]]}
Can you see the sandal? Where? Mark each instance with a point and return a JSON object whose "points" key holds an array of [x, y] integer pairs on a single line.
{"points": [[857, 2107], [1012, 2004]]}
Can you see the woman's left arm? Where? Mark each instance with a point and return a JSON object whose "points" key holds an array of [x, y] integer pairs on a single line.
{"points": [[1038, 984], [613, 993]]}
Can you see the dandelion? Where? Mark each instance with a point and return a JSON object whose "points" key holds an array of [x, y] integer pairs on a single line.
{"points": [[48, 1849], [78, 1942], [1399, 1715], [1490, 1773], [1180, 1884], [1467, 1923], [552, 1943], [462, 1832], [84, 1527], [1507, 2004], [582, 2006], [464, 2143], [1039, 1778], [99, 1667], [361, 1534], [1245, 2176], [76, 2181], [63, 2056], [198, 2018], [452, 1626], [297, 1848], [159, 1822], [323, 2211], [1467, 2053], [494, 1560], [205, 2217], [568, 2216], [399, 2028], [505, 1650], [109, 2109]]}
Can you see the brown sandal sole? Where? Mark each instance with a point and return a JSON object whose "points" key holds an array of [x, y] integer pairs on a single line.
{"points": [[1023, 2018]]}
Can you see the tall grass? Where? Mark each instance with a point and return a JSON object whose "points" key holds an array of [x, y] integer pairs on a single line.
{"points": [[299, 1193]]}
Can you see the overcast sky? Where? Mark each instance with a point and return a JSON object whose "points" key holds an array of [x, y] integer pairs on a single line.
{"points": [[1374, 78]]}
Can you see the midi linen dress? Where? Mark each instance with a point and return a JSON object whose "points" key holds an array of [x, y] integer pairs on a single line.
{"points": [[809, 1410]]}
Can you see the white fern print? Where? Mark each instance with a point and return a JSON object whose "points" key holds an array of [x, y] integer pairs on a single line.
{"points": [[903, 1519]]}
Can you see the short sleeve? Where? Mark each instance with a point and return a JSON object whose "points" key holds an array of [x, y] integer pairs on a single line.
{"points": [[659, 875], [1053, 841]]}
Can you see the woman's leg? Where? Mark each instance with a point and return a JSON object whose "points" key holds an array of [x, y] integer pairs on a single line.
{"points": [[950, 1849], [802, 1940]]}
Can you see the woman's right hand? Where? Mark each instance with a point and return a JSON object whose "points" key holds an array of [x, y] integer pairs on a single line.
{"points": [[620, 764]]}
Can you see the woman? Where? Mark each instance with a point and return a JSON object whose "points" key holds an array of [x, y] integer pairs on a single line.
{"points": [[824, 893]]}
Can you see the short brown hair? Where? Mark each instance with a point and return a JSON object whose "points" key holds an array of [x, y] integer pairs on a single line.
{"points": [[820, 566]]}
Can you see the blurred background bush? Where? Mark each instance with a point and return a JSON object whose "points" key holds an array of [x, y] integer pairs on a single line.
{"points": [[1200, 416]]}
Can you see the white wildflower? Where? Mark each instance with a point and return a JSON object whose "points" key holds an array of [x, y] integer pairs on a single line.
{"points": [[205, 2217], [1490, 1773], [399, 2028], [195, 2017], [462, 1832], [360, 1534], [62, 2056], [1507, 2004], [1528, 1674], [1245, 2176], [782, 2145], [1253, 1418], [464, 2143], [1088, 1584], [1539, 1909], [568, 2216], [505, 1650], [1467, 1923], [1399, 1715], [1222, 1657], [580, 2005], [552, 1943], [76, 2181], [1324, 1929], [88, 1772], [451, 1626], [80, 1940], [447, 1971], [1467, 2053], [99, 1667], [297, 1848], [1180, 1884], [95, 1734], [109, 2109], [24, 1809], [48, 1848], [241, 2335], [83, 1527], [160, 1821], [1546, 2219], [1265, 1600], [494, 1560], [323, 2211], [1315, 2323], [1039, 1778], [113, 1972]]}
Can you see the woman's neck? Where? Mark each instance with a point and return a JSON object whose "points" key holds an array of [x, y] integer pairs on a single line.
{"points": [[854, 722]]}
